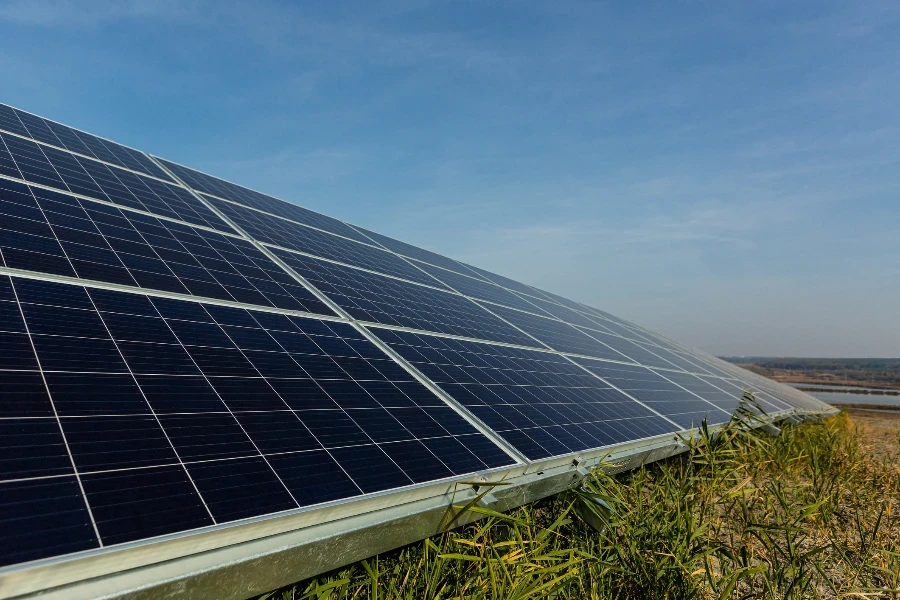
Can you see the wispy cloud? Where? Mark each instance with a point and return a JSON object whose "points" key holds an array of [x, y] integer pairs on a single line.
{"points": [[711, 167]]}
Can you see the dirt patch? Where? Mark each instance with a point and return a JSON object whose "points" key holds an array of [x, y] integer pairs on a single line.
{"points": [[880, 431]]}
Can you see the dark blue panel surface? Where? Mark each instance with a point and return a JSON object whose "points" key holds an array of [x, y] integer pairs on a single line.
{"points": [[707, 389], [483, 290], [415, 252], [57, 233], [177, 415], [141, 503], [643, 354], [558, 335], [506, 282], [69, 173], [220, 188], [539, 402], [43, 518], [272, 230], [370, 297], [50, 132], [565, 314], [660, 394]]}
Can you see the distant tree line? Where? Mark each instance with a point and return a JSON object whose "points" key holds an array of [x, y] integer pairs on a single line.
{"points": [[862, 370]]}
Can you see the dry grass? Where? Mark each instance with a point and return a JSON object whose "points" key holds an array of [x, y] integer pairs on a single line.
{"points": [[810, 514]]}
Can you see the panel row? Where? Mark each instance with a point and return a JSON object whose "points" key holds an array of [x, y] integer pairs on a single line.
{"points": [[176, 415], [415, 252], [214, 186], [49, 132], [56, 233], [379, 299], [278, 232], [539, 402], [42, 165]]}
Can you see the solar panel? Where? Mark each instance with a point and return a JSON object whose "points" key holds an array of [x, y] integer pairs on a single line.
{"points": [[101, 398], [287, 234], [50, 232], [61, 136], [658, 392], [477, 288], [416, 253], [178, 352], [538, 401], [558, 335], [505, 282], [224, 190], [379, 299], [64, 171]]}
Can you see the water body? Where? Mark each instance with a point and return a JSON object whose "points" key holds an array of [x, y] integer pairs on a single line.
{"points": [[848, 398], [830, 386]]}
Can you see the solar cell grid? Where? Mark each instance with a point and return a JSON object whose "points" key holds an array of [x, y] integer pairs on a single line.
{"points": [[626, 332], [566, 314], [59, 135], [775, 393], [275, 231], [415, 252], [50, 232], [214, 186], [476, 288], [638, 353], [566, 302], [737, 388], [155, 397], [558, 335], [676, 358], [707, 389], [652, 389], [65, 171], [539, 402], [378, 299], [503, 281]]}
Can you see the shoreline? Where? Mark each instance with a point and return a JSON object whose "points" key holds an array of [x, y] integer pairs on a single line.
{"points": [[837, 390]]}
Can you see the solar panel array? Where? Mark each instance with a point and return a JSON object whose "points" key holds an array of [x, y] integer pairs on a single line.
{"points": [[178, 352]]}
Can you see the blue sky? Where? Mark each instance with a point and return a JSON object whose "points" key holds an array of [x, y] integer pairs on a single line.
{"points": [[725, 173]]}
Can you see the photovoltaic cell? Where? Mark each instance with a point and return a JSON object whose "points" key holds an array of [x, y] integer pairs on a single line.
{"points": [[770, 390], [157, 399], [766, 402], [56, 233], [707, 389], [539, 402], [658, 393], [220, 188], [638, 353], [476, 288], [64, 171], [49, 132], [379, 299], [415, 252], [566, 314], [583, 308], [272, 230], [558, 335], [504, 281]]}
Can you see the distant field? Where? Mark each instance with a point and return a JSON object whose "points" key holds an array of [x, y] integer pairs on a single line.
{"points": [[881, 373]]}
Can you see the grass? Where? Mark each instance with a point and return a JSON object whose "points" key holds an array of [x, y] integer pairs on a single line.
{"points": [[809, 514]]}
